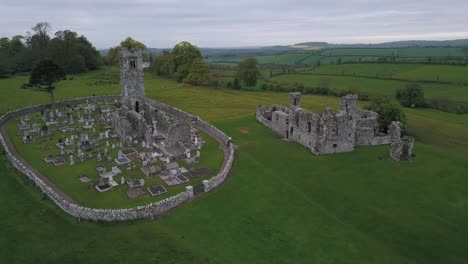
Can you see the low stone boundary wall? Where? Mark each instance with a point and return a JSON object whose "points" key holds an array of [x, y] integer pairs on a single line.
{"points": [[113, 215]]}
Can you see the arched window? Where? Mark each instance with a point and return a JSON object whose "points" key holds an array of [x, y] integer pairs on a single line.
{"points": [[137, 107]]}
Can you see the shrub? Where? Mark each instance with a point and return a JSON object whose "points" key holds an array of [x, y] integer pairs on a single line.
{"points": [[412, 95], [388, 111]]}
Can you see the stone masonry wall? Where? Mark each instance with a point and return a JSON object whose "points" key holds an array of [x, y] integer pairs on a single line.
{"points": [[112, 215]]}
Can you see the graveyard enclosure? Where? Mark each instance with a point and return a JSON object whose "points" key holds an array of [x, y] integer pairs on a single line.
{"points": [[62, 200]]}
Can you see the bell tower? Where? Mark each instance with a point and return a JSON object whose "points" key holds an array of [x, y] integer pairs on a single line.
{"points": [[131, 78]]}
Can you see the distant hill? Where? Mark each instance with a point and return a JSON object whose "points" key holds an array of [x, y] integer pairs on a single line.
{"points": [[230, 52], [394, 44]]}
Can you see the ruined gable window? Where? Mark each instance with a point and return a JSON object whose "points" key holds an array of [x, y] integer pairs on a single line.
{"points": [[309, 127], [297, 120], [132, 64]]}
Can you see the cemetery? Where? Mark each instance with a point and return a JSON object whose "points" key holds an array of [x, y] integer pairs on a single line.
{"points": [[118, 152]]}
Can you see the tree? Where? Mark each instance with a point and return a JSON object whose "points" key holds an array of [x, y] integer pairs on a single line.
{"points": [[73, 53], [45, 76], [183, 55], [161, 65], [199, 73], [132, 44], [388, 111], [412, 95], [113, 55], [248, 71], [177, 63]]}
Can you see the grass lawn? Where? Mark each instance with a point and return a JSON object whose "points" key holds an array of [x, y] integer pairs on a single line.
{"points": [[280, 205]]}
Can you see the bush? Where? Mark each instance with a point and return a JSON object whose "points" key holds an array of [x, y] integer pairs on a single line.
{"points": [[412, 95], [388, 110]]}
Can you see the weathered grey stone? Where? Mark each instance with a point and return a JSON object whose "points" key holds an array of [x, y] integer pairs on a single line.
{"points": [[401, 148], [327, 133]]}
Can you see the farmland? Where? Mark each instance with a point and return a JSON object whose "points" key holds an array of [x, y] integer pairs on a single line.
{"points": [[281, 204]]}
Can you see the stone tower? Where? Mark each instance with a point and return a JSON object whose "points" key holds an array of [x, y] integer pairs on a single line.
{"points": [[349, 103], [131, 78], [294, 99]]}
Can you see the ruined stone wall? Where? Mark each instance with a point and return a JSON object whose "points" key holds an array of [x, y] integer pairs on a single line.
{"points": [[260, 115], [279, 123], [112, 215], [180, 133], [337, 133], [305, 125]]}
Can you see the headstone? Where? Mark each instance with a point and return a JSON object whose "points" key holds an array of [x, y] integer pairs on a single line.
{"points": [[72, 160], [155, 133], [99, 157], [62, 152], [113, 146], [101, 181], [122, 180]]}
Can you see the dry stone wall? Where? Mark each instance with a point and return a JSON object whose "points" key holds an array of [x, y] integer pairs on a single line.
{"points": [[114, 215]]}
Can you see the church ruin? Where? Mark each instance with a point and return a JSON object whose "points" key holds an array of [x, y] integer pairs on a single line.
{"points": [[141, 121], [328, 133]]}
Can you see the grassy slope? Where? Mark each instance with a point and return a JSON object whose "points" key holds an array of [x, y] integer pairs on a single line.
{"points": [[281, 203]]}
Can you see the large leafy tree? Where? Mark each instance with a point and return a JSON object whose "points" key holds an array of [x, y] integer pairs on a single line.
{"points": [[248, 71], [113, 56], [72, 52], [199, 73], [131, 44], [46, 76], [412, 95], [161, 65], [388, 110], [179, 63], [183, 56]]}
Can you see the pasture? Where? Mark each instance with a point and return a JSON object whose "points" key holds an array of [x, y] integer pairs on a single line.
{"points": [[280, 205], [455, 92]]}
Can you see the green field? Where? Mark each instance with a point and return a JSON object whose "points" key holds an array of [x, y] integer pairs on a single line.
{"points": [[355, 55], [412, 72], [280, 205], [399, 52], [455, 92]]}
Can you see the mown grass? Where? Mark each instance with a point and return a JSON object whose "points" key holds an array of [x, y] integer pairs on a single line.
{"points": [[280, 205]]}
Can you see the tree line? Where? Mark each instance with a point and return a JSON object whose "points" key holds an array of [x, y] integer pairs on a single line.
{"points": [[71, 51]]}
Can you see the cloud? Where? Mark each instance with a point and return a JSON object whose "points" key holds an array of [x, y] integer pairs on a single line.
{"points": [[215, 23]]}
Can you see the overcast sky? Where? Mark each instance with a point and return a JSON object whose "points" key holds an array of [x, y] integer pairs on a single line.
{"points": [[217, 23]]}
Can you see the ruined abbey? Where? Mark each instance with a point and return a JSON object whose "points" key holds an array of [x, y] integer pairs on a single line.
{"points": [[331, 132]]}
